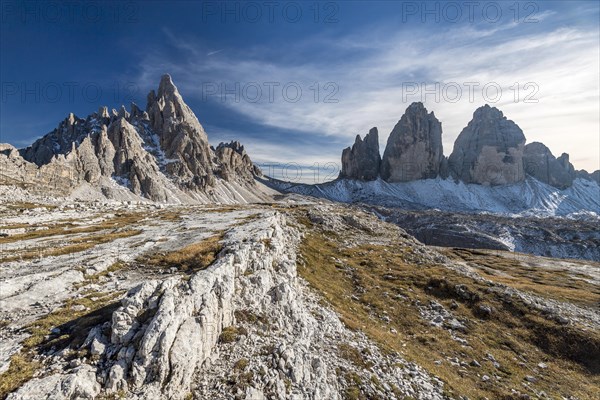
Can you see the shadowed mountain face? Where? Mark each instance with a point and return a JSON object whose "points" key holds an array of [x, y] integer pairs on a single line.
{"points": [[489, 151], [414, 148], [362, 161], [181, 136], [161, 154], [540, 163]]}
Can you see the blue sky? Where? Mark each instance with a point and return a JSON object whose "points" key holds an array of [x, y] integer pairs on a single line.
{"points": [[357, 64]]}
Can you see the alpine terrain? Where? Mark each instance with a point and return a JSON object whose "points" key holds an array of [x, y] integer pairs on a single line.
{"points": [[492, 192], [137, 261]]}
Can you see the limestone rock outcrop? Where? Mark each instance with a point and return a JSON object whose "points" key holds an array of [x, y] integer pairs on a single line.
{"points": [[6, 148], [171, 338], [590, 176], [234, 162], [540, 163], [136, 167], [161, 154], [362, 160], [59, 141], [54, 178], [489, 150], [414, 149], [182, 138]]}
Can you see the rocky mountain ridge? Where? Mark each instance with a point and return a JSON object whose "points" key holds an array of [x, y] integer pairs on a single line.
{"points": [[160, 154], [489, 151]]}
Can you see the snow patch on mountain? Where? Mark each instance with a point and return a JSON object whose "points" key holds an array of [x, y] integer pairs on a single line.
{"points": [[530, 197]]}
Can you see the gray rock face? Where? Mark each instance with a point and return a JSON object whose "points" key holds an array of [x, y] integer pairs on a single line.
{"points": [[166, 339], [152, 153], [489, 150], [234, 162], [589, 176], [542, 165], [135, 166], [53, 178], [81, 384], [362, 160], [181, 136], [414, 149], [59, 141]]}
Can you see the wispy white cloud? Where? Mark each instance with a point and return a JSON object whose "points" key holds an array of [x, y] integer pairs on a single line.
{"points": [[372, 66]]}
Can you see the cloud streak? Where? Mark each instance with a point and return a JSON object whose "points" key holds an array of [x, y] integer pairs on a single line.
{"points": [[371, 68]]}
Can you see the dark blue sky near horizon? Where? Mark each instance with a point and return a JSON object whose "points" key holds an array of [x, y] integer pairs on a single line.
{"points": [[240, 67]]}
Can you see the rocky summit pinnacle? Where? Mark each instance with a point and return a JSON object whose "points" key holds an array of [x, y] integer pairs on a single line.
{"points": [[414, 148], [489, 150], [182, 137], [362, 160], [161, 154]]}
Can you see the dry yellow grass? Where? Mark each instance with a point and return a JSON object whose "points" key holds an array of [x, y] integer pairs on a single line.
{"points": [[191, 258], [20, 370], [509, 269], [68, 228], [90, 279], [74, 246], [74, 326], [371, 281]]}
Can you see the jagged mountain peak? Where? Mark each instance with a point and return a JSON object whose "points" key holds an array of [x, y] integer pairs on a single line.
{"points": [[539, 162], [103, 112], [489, 150], [416, 106], [135, 110], [372, 136], [487, 111], [414, 149], [167, 109], [166, 86], [151, 153], [362, 160]]}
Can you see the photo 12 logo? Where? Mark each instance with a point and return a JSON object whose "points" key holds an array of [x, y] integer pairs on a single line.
{"points": [[69, 92], [270, 12], [269, 92], [469, 11], [296, 173], [453, 92], [69, 12]]}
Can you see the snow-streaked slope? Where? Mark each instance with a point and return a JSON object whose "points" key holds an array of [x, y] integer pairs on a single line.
{"points": [[530, 197]]}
